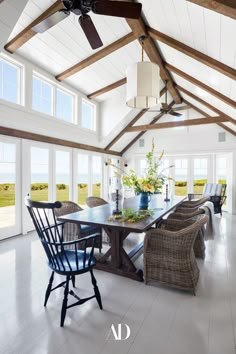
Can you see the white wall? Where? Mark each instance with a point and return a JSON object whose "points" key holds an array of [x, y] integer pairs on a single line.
{"points": [[115, 115], [197, 140], [10, 11]]}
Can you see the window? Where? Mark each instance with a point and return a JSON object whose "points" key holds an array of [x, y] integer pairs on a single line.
{"points": [[83, 178], [9, 81], [42, 96], [200, 175], [88, 115], [39, 174], [221, 170], [96, 175], [181, 176], [62, 175], [64, 105]]}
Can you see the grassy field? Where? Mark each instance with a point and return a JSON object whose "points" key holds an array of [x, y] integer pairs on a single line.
{"points": [[7, 197], [7, 193]]}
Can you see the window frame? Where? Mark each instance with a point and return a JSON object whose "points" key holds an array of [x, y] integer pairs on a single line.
{"points": [[94, 123], [20, 79], [56, 87], [43, 79]]}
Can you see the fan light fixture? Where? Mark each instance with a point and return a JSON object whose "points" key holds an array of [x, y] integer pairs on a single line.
{"points": [[143, 83]]}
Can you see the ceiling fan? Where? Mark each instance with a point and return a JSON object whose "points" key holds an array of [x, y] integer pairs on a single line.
{"points": [[81, 9], [165, 109]]}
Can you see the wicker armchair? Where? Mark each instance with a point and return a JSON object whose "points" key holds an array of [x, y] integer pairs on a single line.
{"points": [[74, 231], [194, 203], [186, 214], [93, 202], [216, 192], [168, 253]]}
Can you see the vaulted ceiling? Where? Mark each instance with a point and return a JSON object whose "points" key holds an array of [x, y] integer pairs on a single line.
{"points": [[192, 42]]}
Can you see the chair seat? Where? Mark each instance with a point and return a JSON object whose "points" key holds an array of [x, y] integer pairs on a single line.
{"points": [[68, 257], [88, 229]]}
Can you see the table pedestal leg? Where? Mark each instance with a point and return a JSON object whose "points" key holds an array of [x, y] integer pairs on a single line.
{"points": [[120, 263]]}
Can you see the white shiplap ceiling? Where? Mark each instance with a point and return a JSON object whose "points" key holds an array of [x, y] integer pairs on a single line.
{"points": [[206, 31]]}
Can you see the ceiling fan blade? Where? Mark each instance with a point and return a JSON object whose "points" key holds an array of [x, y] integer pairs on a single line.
{"points": [[50, 21], [172, 113], [165, 106], [117, 8], [90, 31]]}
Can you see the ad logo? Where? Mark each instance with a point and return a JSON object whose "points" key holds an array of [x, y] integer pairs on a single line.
{"points": [[121, 332]]}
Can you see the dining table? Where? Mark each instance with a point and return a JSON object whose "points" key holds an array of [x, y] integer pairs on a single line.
{"points": [[116, 259]]}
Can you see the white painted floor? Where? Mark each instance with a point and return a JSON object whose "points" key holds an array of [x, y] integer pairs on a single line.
{"points": [[162, 320]]}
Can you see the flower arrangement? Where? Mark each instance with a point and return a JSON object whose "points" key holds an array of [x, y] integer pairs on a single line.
{"points": [[153, 180]]}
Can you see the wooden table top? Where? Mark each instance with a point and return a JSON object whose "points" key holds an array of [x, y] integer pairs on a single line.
{"points": [[98, 216]]}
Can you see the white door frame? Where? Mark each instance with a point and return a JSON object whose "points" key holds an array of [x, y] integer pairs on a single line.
{"points": [[15, 229]]}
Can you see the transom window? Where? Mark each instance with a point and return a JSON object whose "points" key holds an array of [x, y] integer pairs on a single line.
{"points": [[9, 81], [42, 96], [88, 115], [49, 99], [64, 105]]}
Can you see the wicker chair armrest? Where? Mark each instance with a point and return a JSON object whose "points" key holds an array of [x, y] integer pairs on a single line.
{"points": [[184, 216], [186, 210], [192, 196], [174, 224]]}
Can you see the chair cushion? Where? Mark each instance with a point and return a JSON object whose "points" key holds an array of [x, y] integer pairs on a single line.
{"points": [[89, 229], [66, 262]]}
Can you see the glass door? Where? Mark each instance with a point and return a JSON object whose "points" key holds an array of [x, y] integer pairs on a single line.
{"points": [[200, 174], [10, 212], [181, 176]]}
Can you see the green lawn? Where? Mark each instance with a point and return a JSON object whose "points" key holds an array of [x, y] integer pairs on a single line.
{"points": [[7, 194], [7, 197]]}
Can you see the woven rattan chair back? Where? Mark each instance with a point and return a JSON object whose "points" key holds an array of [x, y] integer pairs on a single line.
{"points": [[168, 253], [95, 201]]}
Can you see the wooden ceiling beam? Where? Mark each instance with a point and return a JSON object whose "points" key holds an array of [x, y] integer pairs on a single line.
{"points": [[223, 7], [200, 84], [133, 121], [123, 131], [206, 104], [193, 53], [27, 33], [121, 42], [50, 140], [107, 88], [183, 123], [223, 126], [158, 117], [139, 29]]}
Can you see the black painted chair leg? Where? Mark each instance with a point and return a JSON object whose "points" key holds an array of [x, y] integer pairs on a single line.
{"points": [[64, 303], [48, 291], [96, 290], [73, 280]]}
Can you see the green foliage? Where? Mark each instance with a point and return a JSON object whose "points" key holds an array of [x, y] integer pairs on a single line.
{"points": [[61, 186], [199, 182], [82, 185], [4, 186], [39, 186], [222, 181], [131, 216], [180, 183]]}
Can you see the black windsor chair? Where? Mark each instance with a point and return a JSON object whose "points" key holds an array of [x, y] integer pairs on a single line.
{"points": [[68, 258]]}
